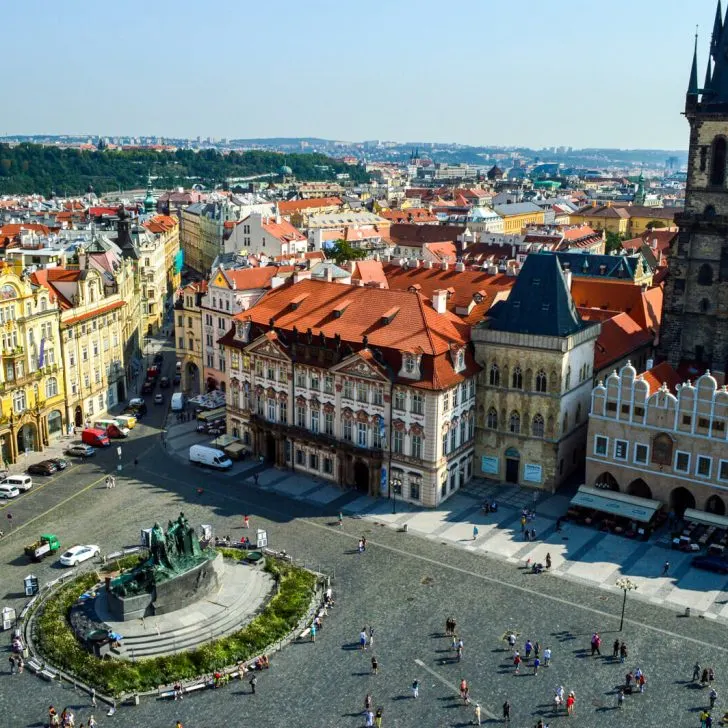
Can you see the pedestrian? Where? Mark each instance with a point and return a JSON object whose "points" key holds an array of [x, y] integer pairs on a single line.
{"points": [[528, 647], [523, 524], [253, 682], [11, 660], [641, 680], [460, 649], [704, 676], [696, 671], [622, 652], [507, 712], [548, 560], [371, 636], [246, 521], [708, 721], [712, 696], [620, 699], [341, 519], [364, 543], [178, 692], [547, 657], [464, 690], [511, 640], [628, 680], [136, 461], [313, 632], [378, 717], [526, 535], [711, 675], [596, 641], [558, 524], [415, 688], [363, 638], [533, 534], [476, 714], [537, 649], [703, 716], [448, 627], [375, 666], [255, 479], [368, 702], [453, 625], [570, 703], [615, 649], [360, 547], [536, 665], [93, 698], [368, 718], [517, 662], [92, 722], [475, 532], [557, 702]]}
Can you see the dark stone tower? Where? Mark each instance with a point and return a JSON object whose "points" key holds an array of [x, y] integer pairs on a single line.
{"points": [[695, 319]]}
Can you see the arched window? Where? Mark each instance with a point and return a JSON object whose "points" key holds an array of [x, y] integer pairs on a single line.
{"points": [[494, 375], [717, 162], [19, 401], [515, 423], [492, 421], [541, 381], [566, 422], [578, 413], [705, 275], [537, 426], [517, 378], [709, 211], [662, 449], [567, 379], [51, 387]]}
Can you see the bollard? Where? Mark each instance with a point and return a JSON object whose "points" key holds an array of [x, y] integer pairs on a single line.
{"points": [[687, 611], [404, 528]]}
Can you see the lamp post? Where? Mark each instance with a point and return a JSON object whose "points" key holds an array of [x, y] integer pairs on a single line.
{"points": [[626, 585], [396, 483]]}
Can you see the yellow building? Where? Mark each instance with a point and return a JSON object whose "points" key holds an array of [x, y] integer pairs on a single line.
{"points": [[518, 215], [631, 220], [31, 382], [188, 335], [166, 228], [642, 218]]}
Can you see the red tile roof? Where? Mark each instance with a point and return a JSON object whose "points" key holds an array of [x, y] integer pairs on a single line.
{"points": [[644, 307], [95, 312], [368, 272], [283, 230], [288, 207], [411, 215], [245, 279], [661, 374], [619, 337]]}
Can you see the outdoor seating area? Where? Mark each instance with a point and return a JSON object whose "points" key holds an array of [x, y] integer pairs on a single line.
{"points": [[614, 512], [701, 531]]}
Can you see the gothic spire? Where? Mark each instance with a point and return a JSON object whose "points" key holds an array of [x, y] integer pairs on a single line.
{"points": [[693, 88], [717, 31], [708, 78]]}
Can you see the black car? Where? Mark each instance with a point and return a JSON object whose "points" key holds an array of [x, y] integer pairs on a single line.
{"points": [[711, 562], [177, 379], [164, 382], [148, 386], [158, 358], [46, 467], [60, 463]]}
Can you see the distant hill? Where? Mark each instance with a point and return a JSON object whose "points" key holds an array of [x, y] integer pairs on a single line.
{"points": [[31, 168]]}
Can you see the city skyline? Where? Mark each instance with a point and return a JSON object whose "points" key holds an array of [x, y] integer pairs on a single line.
{"points": [[290, 71]]}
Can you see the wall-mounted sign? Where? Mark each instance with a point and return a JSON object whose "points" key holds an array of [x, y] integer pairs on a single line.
{"points": [[489, 465], [532, 473]]}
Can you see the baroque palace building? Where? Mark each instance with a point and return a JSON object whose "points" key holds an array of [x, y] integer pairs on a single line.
{"points": [[371, 389]]}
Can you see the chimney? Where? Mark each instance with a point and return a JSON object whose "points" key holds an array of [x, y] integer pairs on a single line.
{"points": [[329, 274], [428, 264], [460, 267], [568, 277], [443, 265], [277, 281], [439, 300], [301, 275], [649, 364]]}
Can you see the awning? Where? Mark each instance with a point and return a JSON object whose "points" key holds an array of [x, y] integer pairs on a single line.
{"points": [[709, 519], [617, 504]]}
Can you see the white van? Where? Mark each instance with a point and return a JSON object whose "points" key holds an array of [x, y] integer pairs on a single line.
{"points": [[21, 482], [210, 456], [178, 402]]}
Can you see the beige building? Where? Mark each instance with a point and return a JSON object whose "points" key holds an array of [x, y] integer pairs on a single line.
{"points": [[533, 396], [188, 336], [153, 279], [367, 388], [166, 230], [652, 437]]}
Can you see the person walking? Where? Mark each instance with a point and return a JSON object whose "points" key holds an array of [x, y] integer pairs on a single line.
{"points": [[11, 662], [368, 701], [506, 712], [464, 690], [368, 719], [548, 560], [547, 657], [536, 665], [363, 638], [415, 688], [375, 666], [622, 652], [475, 532], [620, 698], [246, 521], [476, 714], [313, 632], [253, 682], [696, 671], [537, 649], [570, 703], [712, 696], [517, 662], [641, 680], [527, 648], [460, 649], [93, 698], [378, 717], [665, 568], [92, 722], [371, 637], [615, 649], [596, 641], [341, 519]]}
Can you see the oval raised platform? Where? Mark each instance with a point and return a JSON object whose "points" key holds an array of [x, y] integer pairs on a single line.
{"points": [[245, 590]]}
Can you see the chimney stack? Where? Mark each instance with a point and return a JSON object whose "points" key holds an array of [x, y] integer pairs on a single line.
{"points": [[439, 300]]}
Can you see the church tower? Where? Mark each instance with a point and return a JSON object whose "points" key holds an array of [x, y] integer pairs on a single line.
{"points": [[695, 318]]}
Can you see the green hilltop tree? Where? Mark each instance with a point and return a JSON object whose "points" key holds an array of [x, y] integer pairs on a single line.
{"points": [[340, 251]]}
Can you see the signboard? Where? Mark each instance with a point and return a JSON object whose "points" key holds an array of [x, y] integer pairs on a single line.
{"points": [[262, 541], [383, 481], [489, 465], [532, 473]]}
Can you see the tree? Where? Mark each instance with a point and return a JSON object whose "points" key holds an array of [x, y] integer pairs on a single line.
{"points": [[340, 251], [652, 224], [613, 242]]}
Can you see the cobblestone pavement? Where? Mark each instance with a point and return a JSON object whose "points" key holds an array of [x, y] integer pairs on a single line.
{"points": [[404, 585]]}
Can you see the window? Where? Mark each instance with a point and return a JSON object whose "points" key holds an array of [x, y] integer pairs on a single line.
{"points": [[567, 379], [460, 361], [84, 354], [705, 275], [348, 389], [471, 389], [682, 462], [362, 392], [181, 342], [409, 364], [416, 446], [328, 466], [446, 401], [190, 344], [418, 406], [471, 427], [414, 490], [600, 445], [444, 442], [300, 457], [463, 430], [377, 437], [456, 396], [687, 420], [271, 372], [300, 378], [398, 441], [51, 387], [362, 434], [641, 454], [315, 414], [272, 410], [723, 470], [515, 423], [378, 396], [492, 419], [313, 461], [566, 422], [494, 375], [537, 426], [347, 430], [704, 466], [577, 419], [259, 406], [315, 382], [453, 437], [717, 162], [283, 412], [19, 401], [621, 447], [329, 423], [328, 384], [300, 416], [517, 378], [399, 400], [541, 380]]}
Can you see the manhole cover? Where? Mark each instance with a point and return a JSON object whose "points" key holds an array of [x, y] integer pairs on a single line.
{"points": [[427, 581]]}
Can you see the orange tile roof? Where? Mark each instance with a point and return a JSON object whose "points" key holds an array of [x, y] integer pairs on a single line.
{"points": [[10, 231], [644, 307], [96, 312], [619, 337], [445, 252], [661, 374], [161, 224], [250, 278], [288, 207], [412, 215], [369, 271], [282, 230]]}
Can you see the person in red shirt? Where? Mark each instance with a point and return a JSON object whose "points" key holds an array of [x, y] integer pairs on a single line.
{"points": [[570, 703], [517, 662]]}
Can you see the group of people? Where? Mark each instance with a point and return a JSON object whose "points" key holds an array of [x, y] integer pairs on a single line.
{"points": [[362, 545], [529, 649], [66, 719], [110, 481]]}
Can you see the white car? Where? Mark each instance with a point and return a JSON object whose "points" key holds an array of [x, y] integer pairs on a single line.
{"points": [[9, 491], [76, 554]]}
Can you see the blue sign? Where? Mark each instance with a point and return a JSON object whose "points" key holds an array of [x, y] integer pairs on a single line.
{"points": [[383, 481], [179, 261], [382, 428], [41, 357]]}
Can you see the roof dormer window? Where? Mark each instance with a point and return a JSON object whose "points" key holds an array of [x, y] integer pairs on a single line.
{"points": [[410, 365]]}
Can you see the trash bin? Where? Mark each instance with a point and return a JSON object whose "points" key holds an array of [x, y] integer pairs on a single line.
{"points": [[31, 585]]}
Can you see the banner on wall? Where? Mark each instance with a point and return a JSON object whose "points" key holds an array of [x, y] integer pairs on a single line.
{"points": [[383, 481], [532, 473], [489, 465]]}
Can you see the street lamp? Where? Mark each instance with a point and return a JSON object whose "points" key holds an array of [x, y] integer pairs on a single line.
{"points": [[626, 585], [396, 484]]}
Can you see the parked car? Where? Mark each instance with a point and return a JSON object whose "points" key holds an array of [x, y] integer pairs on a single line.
{"points": [[210, 456], [711, 562], [159, 398], [148, 386], [81, 451], [21, 482], [158, 357], [46, 467], [117, 431], [94, 437], [177, 379], [164, 382], [76, 554], [60, 463], [8, 491]]}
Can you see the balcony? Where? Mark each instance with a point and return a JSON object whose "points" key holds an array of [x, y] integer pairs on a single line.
{"points": [[13, 353]]}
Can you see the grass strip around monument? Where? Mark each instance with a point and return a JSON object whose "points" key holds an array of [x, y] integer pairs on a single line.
{"points": [[58, 645]]}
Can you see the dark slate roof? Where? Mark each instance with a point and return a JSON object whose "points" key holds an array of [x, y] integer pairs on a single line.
{"points": [[587, 265], [540, 302]]}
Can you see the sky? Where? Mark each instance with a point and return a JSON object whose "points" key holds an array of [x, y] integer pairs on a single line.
{"points": [[532, 73]]}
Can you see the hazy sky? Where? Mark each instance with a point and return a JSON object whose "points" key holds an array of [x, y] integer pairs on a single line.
{"points": [[531, 72]]}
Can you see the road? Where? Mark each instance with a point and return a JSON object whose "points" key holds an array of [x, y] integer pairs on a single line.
{"points": [[403, 585]]}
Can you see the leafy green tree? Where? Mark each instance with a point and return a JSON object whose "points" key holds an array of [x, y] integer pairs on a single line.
{"points": [[653, 224], [340, 251], [613, 242]]}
